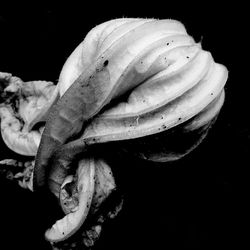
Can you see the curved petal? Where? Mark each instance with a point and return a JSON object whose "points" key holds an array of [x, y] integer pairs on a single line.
{"points": [[23, 104], [21, 142]]}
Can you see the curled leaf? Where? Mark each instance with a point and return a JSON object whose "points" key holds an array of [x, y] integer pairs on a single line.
{"points": [[68, 225]]}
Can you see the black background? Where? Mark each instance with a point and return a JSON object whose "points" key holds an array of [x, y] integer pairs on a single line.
{"points": [[195, 203]]}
